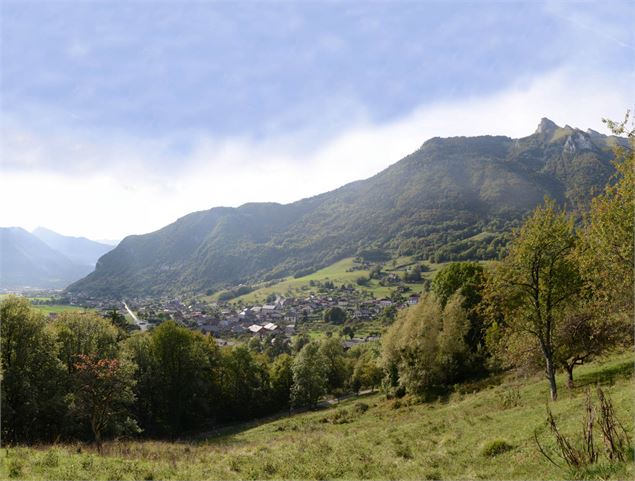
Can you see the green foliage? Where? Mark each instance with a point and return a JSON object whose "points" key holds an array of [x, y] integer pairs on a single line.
{"points": [[102, 394], [465, 277], [605, 251], [332, 353], [424, 351], [367, 373], [468, 280], [84, 333], [334, 315], [281, 375], [183, 363], [310, 376], [496, 447], [535, 283], [33, 406]]}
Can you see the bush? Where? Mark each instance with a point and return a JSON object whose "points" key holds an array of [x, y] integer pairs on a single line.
{"points": [[360, 408], [496, 447], [510, 398]]}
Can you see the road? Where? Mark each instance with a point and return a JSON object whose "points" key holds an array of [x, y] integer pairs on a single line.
{"points": [[142, 324]]}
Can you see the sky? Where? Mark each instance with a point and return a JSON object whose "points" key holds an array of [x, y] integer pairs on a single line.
{"points": [[118, 117]]}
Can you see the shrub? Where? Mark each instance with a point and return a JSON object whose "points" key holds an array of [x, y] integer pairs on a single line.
{"points": [[496, 447], [360, 408], [510, 398]]}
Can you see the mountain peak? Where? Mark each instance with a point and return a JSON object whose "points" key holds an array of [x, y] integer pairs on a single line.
{"points": [[546, 126]]}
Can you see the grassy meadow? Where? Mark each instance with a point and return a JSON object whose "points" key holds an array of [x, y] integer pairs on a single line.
{"points": [[339, 274], [479, 432], [57, 308]]}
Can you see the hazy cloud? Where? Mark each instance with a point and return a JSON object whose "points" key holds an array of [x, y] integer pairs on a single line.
{"points": [[117, 186]]}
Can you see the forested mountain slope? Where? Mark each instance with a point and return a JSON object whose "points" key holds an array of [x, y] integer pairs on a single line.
{"points": [[435, 202]]}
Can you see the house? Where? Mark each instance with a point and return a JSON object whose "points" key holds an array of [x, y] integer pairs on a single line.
{"points": [[270, 326], [385, 303], [254, 328], [351, 342], [413, 300]]}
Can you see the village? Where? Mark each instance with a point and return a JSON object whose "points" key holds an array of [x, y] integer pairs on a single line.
{"points": [[280, 316]]}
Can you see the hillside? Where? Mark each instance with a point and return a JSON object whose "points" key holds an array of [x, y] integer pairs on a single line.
{"points": [[434, 203], [389, 440], [81, 251], [26, 261]]}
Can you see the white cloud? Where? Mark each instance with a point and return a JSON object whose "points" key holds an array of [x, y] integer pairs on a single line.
{"points": [[119, 186]]}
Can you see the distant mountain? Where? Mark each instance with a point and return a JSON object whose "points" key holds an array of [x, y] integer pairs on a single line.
{"points": [[81, 251], [454, 198], [26, 261], [109, 242]]}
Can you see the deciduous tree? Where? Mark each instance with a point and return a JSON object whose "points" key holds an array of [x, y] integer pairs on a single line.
{"points": [[537, 281]]}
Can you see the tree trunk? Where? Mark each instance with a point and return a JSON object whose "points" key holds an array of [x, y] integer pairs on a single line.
{"points": [[96, 434], [551, 376], [569, 369]]}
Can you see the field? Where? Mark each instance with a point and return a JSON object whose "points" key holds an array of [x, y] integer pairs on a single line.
{"points": [[339, 274], [57, 308], [365, 438]]}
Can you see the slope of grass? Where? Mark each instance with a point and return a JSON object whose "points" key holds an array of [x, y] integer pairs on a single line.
{"points": [[488, 434], [338, 274]]}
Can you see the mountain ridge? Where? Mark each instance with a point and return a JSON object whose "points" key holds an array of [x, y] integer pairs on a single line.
{"points": [[27, 261], [79, 250], [433, 199]]}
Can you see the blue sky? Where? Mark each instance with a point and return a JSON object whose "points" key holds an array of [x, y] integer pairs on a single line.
{"points": [[187, 105]]}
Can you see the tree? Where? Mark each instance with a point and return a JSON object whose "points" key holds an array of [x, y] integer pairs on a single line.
{"points": [[581, 336], [466, 279], [299, 342], [413, 275], [32, 384], [536, 282], [366, 373], [424, 351], [186, 369], [454, 354], [388, 314], [84, 333], [309, 376], [348, 331], [281, 376], [244, 383], [120, 322], [103, 392], [138, 349], [255, 344], [410, 348], [335, 315], [605, 250], [332, 352]]}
